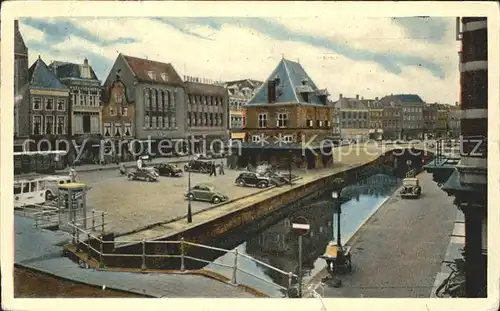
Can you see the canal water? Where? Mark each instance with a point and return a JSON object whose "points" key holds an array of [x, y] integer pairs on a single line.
{"points": [[277, 246]]}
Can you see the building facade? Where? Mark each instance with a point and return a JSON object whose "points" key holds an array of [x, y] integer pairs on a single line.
{"points": [[158, 94], [354, 117], [392, 119], [442, 120], [118, 119], [48, 104], [412, 107], [376, 117], [21, 78], [207, 116], [287, 112], [429, 114], [239, 91], [454, 115]]}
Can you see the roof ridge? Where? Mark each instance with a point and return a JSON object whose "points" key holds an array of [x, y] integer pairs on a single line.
{"points": [[290, 79]]}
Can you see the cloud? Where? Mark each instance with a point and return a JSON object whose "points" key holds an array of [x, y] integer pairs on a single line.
{"points": [[370, 57]]}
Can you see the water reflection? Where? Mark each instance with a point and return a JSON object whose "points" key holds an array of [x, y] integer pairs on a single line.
{"points": [[278, 246]]}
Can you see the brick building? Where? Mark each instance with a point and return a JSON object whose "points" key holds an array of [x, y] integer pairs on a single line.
{"points": [[442, 120], [207, 115], [240, 91], [392, 118], [158, 94], [429, 115], [376, 119], [287, 113], [354, 117], [454, 116]]}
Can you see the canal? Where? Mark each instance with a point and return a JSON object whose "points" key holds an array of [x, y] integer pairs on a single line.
{"points": [[275, 244]]}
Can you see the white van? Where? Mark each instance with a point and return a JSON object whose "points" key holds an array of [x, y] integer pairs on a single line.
{"points": [[29, 191]]}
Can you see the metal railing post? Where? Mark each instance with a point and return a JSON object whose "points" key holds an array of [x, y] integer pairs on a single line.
{"points": [[93, 220], [143, 257], [235, 267], [74, 231], [290, 277], [89, 249], [101, 251], [77, 238], [182, 255], [102, 222]]}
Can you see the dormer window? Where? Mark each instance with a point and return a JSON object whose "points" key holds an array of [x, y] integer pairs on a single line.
{"points": [[164, 76], [151, 75]]}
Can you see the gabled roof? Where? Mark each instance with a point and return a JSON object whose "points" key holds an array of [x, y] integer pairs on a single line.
{"points": [[141, 67], [41, 77], [197, 88], [65, 70], [292, 80], [245, 82], [350, 103], [19, 45]]}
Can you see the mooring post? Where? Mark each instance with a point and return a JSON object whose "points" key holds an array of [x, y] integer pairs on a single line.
{"points": [[143, 265], [182, 255], [93, 220], [235, 267]]}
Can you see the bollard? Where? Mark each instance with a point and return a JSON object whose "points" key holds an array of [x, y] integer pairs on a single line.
{"points": [[102, 222], [290, 277], [93, 220], [143, 265], [182, 255], [235, 267]]}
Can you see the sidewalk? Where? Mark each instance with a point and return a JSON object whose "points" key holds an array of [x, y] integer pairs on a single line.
{"points": [[41, 250], [457, 241]]}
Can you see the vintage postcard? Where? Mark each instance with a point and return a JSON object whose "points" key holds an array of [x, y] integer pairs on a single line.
{"points": [[264, 150]]}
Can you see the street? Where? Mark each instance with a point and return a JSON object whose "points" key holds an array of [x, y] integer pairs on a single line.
{"points": [[398, 252]]}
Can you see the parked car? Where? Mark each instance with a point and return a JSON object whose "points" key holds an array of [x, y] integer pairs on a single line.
{"points": [[152, 170], [206, 192], [253, 179], [411, 188], [143, 174], [167, 169], [197, 166]]}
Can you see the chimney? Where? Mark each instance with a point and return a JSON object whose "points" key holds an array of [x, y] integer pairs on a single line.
{"points": [[357, 96], [376, 98], [85, 61], [271, 91], [340, 96]]}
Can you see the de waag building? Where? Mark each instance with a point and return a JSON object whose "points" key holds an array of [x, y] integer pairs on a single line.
{"points": [[467, 180], [288, 121]]}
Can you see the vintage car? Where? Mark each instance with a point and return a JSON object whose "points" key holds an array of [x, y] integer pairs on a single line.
{"points": [[197, 166], [206, 192], [253, 179], [167, 169], [144, 174], [411, 188]]}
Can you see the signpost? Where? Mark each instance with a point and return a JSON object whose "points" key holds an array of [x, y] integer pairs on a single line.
{"points": [[300, 226]]}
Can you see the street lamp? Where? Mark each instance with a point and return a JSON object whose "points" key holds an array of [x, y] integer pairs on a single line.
{"points": [[290, 166], [189, 211], [338, 210]]}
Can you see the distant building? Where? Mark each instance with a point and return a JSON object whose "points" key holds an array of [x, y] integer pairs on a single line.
{"points": [[21, 79], [48, 104], [442, 120], [240, 91], [158, 94], [454, 116], [287, 113], [376, 118], [207, 115], [354, 117], [393, 118], [429, 115], [412, 114]]}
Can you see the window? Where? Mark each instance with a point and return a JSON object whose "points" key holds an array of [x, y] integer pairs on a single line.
{"points": [[49, 104], [49, 124], [107, 129], [118, 129], [282, 120], [256, 138], [309, 123], [112, 111], [172, 121], [151, 75], [288, 138], [124, 111], [61, 104], [82, 100], [164, 76], [262, 120], [95, 126], [60, 125], [86, 123], [37, 125], [319, 123], [146, 121], [128, 129], [37, 103], [327, 123], [160, 122]]}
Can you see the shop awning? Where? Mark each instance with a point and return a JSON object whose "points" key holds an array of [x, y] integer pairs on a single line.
{"points": [[238, 135]]}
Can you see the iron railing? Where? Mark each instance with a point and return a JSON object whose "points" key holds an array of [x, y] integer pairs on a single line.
{"points": [[99, 255]]}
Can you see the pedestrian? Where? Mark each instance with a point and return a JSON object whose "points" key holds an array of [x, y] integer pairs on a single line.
{"points": [[72, 174], [221, 168], [213, 170], [139, 163], [123, 169]]}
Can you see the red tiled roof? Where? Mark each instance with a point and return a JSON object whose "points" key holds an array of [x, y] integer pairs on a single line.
{"points": [[141, 67]]}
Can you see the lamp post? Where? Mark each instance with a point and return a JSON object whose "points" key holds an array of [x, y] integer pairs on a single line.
{"points": [[338, 210], [290, 166], [189, 211]]}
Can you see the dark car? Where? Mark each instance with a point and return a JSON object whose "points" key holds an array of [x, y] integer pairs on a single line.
{"points": [[167, 169], [254, 179], [142, 175], [197, 166]]}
